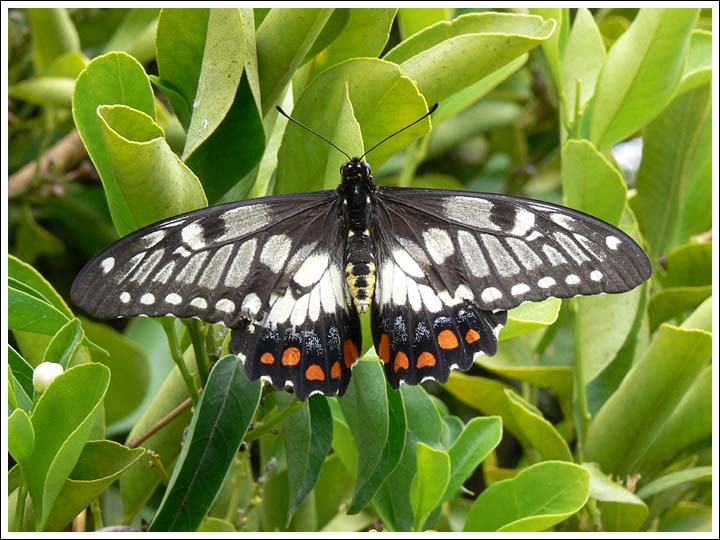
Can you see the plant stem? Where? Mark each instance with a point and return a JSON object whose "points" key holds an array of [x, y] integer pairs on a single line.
{"points": [[177, 356], [157, 426], [20, 503], [580, 397], [96, 512], [198, 343], [266, 426]]}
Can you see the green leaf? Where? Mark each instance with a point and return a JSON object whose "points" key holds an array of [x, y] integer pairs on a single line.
{"points": [[674, 479], [590, 183], [536, 499], [449, 56], [584, 58], [687, 517], [412, 20], [29, 276], [137, 151], [689, 265], [345, 134], [215, 525], [535, 431], [64, 344], [44, 91], [673, 182], [308, 437], [698, 68], [283, 40], [53, 34], [136, 34], [366, 409], [332, 29], [21, 369], [674, 302], [333, 490], [222, 416], [689, 423], [620, 509], [382, 99], [99, 465], [59, 438], [21, 437], [139, 483], [555, 46], [530, 317], [111, 79], [430, 482], [701, 318], [478, 438], [619, 437], [641, 73], [129, 367]]}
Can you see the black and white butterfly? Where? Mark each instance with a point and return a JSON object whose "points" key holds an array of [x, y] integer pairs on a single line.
{"points": [[438, 270]]}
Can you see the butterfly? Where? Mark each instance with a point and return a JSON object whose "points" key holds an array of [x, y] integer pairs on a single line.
{"points": [[290, 275]]}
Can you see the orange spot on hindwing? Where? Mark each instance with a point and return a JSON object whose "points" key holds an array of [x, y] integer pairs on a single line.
{"points": [[335, 371], [447, 340], [426, 359], [291, 356], [350, 353], [401, 361], [472, 336], [267, 358], [384, 351], [314, 373]]}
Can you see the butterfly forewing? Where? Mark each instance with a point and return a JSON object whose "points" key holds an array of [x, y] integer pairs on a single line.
{"points": [[259, 266]]}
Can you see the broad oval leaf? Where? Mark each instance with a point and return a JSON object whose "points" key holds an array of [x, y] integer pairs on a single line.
{"points": [[217, 428], [430, 482], [21, 437], [65, 343], [530, 317], [535, 499]]}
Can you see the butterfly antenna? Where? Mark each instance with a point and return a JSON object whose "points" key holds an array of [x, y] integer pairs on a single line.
{"points": [[311, 130], [432, 110]]}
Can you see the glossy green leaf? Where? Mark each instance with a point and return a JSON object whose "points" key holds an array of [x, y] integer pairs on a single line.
{"points": [[99, 465], [137, 152], [583, 59], [619, 437], [140, 481], [215, 525], [44, 91], [556, 45], [283, 40], [53, 34], [689, 265], [530, 317], [535, 431], [136, 34], [449, 56], [364, 35], [308, 437], [698, 68], [687, 517], [674, 302], [673, 182], [674, 479], [29, 276], [222, 416], [333, 490], [430, 482], [701, 318], [21, 369], [590, 183], [21, 437], [332, 29], [642, 71], [689, 423], [477, 439], [65, 343], [366, 409], [129, 368], [482, 394], [382, 101], [536, 499], [517, 360], [59, 439], [413, 20], [620, 509]]}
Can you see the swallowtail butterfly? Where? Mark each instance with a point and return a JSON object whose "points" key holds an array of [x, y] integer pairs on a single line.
{"points": [[289, 274]]}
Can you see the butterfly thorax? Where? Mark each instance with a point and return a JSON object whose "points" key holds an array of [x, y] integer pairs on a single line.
{"points": [[357, 190]]}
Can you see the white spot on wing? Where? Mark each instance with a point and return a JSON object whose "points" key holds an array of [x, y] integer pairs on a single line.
{"points": [[527, 257], [564, 221], [192, 235], [312, 269], [107, 264], [413, 295], [215, 268], [147, 266], [147, 299], [612, 242], [490, 295], [503, 261], [149, 240], [165, 272], [590, 247], [474, 211], [519, 289], [129, 267], [595, 275], [571, 247], [199, 303], [300, 311], [182, 251], [546, 282], [125, 297], [572, 279], [314, 305], [430, 299], [242, 221], [251, 304], [553, 255], [226, 305], [240, 265], [407, 263], [399, 290], [473, 255], [281, 309], [173, 299], [191, 269], [524, 221], [438, 244], [275, 252]]}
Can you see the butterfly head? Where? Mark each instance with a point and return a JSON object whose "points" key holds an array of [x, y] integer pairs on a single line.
{"points": [[356, 168]]}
